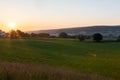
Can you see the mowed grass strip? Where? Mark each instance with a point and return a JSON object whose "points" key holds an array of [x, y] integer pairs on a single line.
{"points": [[86, 57]]}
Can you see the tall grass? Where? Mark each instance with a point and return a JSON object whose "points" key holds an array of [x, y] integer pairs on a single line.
{"points": [[18, 71]]}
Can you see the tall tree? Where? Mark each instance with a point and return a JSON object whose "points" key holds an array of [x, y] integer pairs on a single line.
{"points": [[118, 39], [97, 37], [81, 37], [12, 34], [63, 35]]}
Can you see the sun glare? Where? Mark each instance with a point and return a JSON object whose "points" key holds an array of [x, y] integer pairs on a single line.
{"points": [[12, 25]]}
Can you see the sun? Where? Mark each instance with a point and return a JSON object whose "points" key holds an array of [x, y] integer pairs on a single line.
{"points": [[12, 25]]}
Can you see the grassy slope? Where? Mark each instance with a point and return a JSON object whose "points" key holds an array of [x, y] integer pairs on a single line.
{"points": [[65, 54]]}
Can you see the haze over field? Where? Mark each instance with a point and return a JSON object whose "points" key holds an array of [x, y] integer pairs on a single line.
{"points": [[51, 14]]}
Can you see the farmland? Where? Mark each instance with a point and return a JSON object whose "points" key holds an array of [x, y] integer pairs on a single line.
{"points": [[82, 57]]}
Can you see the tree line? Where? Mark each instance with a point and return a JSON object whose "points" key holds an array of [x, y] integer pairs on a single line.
{"points": [[97, 37], [20, 34]]}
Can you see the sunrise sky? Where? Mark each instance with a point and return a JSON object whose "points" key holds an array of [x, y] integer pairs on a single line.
{"points": [[51, 14]]}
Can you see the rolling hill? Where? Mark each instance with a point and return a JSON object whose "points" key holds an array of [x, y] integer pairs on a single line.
{"points": [[105, 30]]}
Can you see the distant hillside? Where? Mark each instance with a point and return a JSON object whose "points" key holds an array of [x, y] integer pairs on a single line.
{"points": [[105, 30]]}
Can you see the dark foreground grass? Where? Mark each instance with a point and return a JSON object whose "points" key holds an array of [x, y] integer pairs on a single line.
{"points": [[84, 57], [17, 71]]}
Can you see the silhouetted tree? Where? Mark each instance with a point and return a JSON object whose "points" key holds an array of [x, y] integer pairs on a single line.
{"points": [[19, 33], [12, 34], [22, 34], [81, 37], [88, 37], [26, 35], [118, 39], [63, 35], [97, 37], [34, 35]]}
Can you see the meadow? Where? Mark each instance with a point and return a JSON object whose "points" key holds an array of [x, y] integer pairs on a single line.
{"points": [[96, 61]]}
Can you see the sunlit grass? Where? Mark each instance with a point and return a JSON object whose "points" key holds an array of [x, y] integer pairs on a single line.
{"points": [[86, 57]]}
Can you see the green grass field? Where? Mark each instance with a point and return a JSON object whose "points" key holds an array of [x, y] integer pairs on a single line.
{"points": [[65, 54]]}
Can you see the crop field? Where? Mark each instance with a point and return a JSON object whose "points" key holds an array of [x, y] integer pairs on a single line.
{"points": [[92, 60]]}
